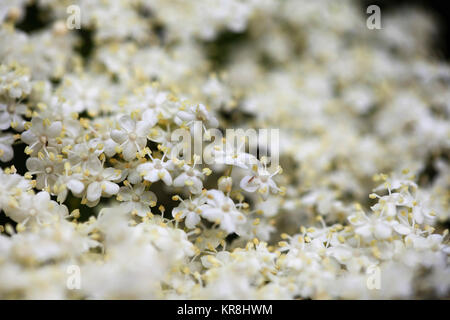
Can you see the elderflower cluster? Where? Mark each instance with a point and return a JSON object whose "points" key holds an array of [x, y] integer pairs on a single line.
{"points": [[93, 180]]}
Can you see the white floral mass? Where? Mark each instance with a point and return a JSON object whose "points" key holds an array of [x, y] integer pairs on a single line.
{"points": [[88, 178]]}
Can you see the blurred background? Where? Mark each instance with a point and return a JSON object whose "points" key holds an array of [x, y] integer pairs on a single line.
{"points": [[438, 9]]}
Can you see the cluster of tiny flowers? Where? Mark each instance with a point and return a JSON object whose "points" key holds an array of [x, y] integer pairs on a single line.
{"points": [[92, 177]]}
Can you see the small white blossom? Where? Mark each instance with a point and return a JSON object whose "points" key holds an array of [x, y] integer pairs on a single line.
{"points": [[156, 169], [6, 150], [261, 181], [37, 209], [221, 209], [101, 182], [190, 177], [11, 115], [135, 199], [132, 136], [189, 209], [42, 135], [197, 113]]}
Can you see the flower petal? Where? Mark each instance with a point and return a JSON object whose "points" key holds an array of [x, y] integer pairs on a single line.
{"points": [[75, 186], [127, 123], [54, 129], [110, 188], [94, 191]]}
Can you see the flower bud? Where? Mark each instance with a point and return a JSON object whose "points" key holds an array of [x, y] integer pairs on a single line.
{"points": [[225, 184]]}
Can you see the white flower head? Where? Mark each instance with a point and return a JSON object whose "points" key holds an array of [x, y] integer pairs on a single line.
{"points": [[132, 136], [136, 199], [6, 150], [41, 135], [190, 177], [261, 181], [101, 182], [11, 115], [197, 113], [221, 209], [156, 169], [37, 209], [189, 209]]}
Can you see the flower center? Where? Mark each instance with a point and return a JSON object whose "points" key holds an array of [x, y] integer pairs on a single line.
{"points": [[132, 136], [201, 117], [158, 166], [49, 169], [136, 198], [190, 173], [226, 207], [43, 139]]}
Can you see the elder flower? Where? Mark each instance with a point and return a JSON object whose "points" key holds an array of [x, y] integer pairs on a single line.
{"points": [[42, 135], [155, 170], [135, 199], [37, 209], [11, 116], [196, 113], [132, 136], [45, 169], [6, 150], [83, 154], [261, 181], [189, 209], [220, 209], [12, 185], [191, 178], [373, 227], [101, 182]]}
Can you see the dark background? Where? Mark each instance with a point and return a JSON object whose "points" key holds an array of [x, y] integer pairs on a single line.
{"points": [[440, 9]]}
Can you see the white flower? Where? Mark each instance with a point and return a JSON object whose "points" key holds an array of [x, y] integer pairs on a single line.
{"points": [[191, 178], [419, 242], [422, 209], [196, 113], [136, 200], [102, 125], [129, 171], [45, 169], [164, 137], [68, 181], [221, 209], [11, 116], [41, 135], [84, 154], [403, 227], [155, 170], [6, 150], [395, 182], [14, 81], [373, 227], [230, 155], [158, 102], [12, 186], [132, 137], [225, 184], [388, 204], [260, 180], [190, 210], [101, 183], [37, 208]]}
